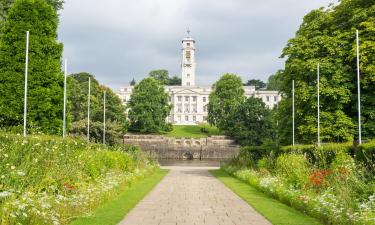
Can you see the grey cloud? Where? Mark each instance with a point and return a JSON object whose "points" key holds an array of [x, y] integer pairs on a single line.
{"points": [[117, 40]]}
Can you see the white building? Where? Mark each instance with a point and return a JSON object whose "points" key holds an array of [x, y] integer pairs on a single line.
{"points": [[189, 100]]}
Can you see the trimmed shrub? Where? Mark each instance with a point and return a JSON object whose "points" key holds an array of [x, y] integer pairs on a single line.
{"points": [[320, 156], [366, 154]]}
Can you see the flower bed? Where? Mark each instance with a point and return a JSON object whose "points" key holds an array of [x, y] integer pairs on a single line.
{"points": [[48, 180], [341, 192]]}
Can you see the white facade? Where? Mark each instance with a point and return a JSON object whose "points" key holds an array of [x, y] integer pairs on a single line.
{"points": [[190, 101]]}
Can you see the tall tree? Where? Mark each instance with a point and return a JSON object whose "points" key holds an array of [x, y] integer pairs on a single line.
{"points": [[160, 75], [5, 5], [327, 36], [275, 81], [45, 93], [257, 83], [148, 107], [116, 120], [133, 82], [250, 123], [226, 94], [175, 80]]}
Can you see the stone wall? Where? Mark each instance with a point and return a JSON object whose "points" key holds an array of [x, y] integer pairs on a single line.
{"points": [[215, 147]]}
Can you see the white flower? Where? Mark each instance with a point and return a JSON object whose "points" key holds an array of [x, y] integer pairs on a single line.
{"points": [[20, 173], [12, 167], [5, 194]]}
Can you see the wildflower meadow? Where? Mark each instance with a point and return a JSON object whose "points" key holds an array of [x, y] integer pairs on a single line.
{"points": [[334, 183], [50, 180]]}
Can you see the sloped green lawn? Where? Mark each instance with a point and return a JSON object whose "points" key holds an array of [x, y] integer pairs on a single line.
{"points": [[191, 131]]}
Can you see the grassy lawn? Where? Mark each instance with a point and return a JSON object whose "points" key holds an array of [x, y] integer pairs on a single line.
{"points": [[191, 131], [275, 211], [113, 211]]}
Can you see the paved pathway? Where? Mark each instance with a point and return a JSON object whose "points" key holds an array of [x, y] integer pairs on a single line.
{"points": [[192, 196]]}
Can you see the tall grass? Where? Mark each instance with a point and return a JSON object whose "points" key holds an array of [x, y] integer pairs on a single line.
{"points": [[50, 180]]}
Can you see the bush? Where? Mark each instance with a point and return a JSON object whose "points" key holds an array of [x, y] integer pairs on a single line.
{"points": [[293, 168], [320, 156]]}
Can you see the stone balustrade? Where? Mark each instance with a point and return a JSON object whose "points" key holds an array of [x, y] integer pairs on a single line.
{"points": [[214, 147]]}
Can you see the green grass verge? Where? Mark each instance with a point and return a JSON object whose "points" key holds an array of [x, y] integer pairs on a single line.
{"points": [[193, 131], [276, 212], [113, 211]]}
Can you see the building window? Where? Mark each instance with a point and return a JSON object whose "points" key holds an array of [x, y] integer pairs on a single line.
{"points": [[179, 108], [179, 118], [205, 108], [188, 83], [268, 98], [186, 108], [186, 98], [186, 118], [169, 99], [194, 108], [179, 98], [187, 54], [125, 89], [188, 75], [194, 98], [194, 118], [275, 98], [188, 44], [124, 100], [205, 118], [204, 99]]}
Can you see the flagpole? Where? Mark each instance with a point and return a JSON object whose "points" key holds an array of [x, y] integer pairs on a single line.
{"points": [[88, 111], [293, 92], [104, 119], [318, 104], [64, 114], [359, 92], [26, 74]]}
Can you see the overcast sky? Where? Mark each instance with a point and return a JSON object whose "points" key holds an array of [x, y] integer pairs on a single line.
{"points": [[116, 40]]}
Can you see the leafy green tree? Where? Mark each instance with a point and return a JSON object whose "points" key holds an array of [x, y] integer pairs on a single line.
{"points": [[250, 123], [257, 83], [45, 82], [275, 81], [175, 80], [327, 36], [133, 82], [148, 107], [5, 5], [163, 76], [116, 121], [160, 75], [227, 93]]}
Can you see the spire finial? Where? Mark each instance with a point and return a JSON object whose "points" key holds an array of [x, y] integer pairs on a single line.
{"points": [[188, 31]]}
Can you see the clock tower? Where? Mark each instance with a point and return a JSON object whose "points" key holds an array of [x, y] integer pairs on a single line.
{"points": [[188, 61]]}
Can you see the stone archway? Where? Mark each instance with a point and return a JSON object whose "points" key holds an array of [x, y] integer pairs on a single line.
{"points": [[187, 156]]}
